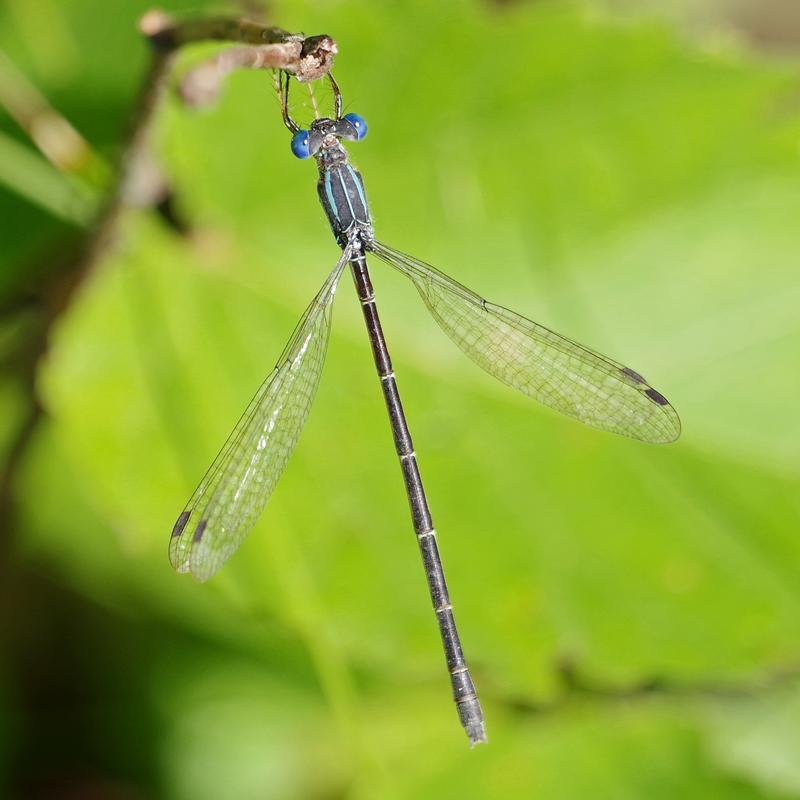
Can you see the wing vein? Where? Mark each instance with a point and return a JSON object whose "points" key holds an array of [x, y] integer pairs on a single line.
{"points": [[553, 369], [241, 479]]}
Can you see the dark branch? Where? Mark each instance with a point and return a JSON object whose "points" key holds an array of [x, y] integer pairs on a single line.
{"points": [[168, 34]]}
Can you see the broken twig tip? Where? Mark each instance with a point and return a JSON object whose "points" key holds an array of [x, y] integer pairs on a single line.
{"points": [[154, 21]]}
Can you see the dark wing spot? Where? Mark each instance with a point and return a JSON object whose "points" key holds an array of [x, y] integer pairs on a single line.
{"points": [[633, 375], [180, 524], [201, 526], [656, 397]]}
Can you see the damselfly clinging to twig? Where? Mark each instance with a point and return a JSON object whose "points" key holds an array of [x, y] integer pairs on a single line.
{"points": [[527, 356]]}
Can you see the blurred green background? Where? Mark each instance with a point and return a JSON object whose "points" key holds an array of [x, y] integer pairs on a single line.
{"points": [[626, 173]]}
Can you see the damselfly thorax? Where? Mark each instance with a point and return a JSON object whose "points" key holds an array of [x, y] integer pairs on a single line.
{"points": [[340, 186]]}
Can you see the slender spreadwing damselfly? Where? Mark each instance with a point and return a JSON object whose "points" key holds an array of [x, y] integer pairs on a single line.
{"points": [[554, 370]]}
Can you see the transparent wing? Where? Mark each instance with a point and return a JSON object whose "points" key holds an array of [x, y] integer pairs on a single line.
{"points": [[234, 491], [552, 369]]}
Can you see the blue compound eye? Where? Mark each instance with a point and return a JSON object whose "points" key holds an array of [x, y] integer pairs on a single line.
{"points": [[359, 123], [300, 144]]}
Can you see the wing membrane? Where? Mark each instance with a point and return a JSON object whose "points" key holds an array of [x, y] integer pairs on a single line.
{"points": [[237, 486], [556, 371]]}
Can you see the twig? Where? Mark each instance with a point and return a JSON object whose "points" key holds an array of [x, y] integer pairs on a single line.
{"points": [[306, 57], [201, 84]]}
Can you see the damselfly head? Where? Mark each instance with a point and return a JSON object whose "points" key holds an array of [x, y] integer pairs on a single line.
{"points": [[327, 133]]}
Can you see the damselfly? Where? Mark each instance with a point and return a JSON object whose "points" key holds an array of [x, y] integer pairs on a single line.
{"points": [[554, 370]]}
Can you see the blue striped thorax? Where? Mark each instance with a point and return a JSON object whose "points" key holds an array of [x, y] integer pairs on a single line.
{"points": [[340, 187]]}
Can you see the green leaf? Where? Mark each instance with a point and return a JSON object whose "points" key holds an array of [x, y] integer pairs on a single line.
{"points": [[609, 181]]}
